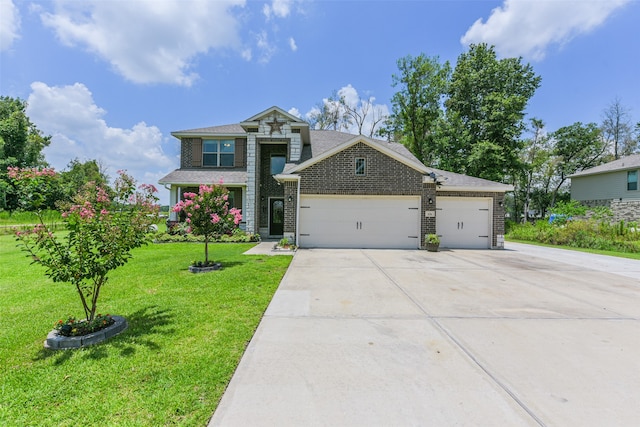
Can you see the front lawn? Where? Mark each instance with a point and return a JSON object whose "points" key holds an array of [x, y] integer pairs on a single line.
{"points": [[186, 335]]}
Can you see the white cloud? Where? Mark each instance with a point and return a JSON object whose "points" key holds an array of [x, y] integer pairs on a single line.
{"points": [[9, 24], [292, 44], [148, 41], [79, 130], [266, 48], [295, 112], [278, 8], [527, 28]]}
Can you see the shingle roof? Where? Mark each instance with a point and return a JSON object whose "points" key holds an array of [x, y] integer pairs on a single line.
{"points": [[452, 179], [325, 140], [625, 163], [204, 176], [321, 141], [213, 130]]}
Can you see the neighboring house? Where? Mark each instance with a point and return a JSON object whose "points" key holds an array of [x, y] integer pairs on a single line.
{"points": [[322, 188], [613, 184]]}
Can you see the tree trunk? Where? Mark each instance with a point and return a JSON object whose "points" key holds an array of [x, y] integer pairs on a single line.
{"points": [[206, 249]]}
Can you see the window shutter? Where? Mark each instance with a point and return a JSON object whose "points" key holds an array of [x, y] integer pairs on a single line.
{"points": [[241, 146], [196, 159]]}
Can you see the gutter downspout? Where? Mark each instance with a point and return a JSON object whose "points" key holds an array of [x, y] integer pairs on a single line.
{"points": [[298, 214]]}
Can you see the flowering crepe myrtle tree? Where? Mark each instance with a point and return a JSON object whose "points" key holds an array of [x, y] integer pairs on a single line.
{"points": [[103, 225], [208, 213]]}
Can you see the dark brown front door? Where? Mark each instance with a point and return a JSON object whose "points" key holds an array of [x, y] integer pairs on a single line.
{"points": [[276, 217]]}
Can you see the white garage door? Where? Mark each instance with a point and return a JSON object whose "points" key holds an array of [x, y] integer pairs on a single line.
{"points": [[359, 222], [464, 222]]}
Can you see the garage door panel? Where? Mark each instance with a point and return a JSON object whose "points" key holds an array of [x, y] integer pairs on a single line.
{"points": [[464, 222], [359, 221]]}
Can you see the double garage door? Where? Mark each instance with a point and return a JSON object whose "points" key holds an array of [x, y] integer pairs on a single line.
{"points": [[464, 222], [359, 222]]}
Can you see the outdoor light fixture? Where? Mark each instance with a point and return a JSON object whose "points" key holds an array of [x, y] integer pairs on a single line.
{"points": [[290, 199], [430, 201], [500, 203]]}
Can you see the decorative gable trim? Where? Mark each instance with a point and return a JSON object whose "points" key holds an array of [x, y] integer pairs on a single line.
{"points": [[268, 113], [371, 143]]}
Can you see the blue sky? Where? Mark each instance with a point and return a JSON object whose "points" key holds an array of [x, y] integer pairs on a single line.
{"points": [[111, 79]]}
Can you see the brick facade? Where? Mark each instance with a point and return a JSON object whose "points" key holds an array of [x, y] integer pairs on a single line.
{"points": [[186, 152], [333, 175], [384, 175]]}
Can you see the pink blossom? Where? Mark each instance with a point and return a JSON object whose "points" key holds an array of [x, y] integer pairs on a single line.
{"points": [[215, 218]]}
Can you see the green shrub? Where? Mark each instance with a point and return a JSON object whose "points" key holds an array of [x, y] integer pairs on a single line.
{"points": [[238, 236], [588, 234]]}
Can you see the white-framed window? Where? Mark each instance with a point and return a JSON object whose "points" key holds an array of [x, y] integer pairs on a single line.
{"points": [[632, 180], [218, 152], [361, 166], [278, 162]]}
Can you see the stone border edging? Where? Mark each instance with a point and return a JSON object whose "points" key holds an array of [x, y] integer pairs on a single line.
{"points": [[60, 342], [214, 267]]}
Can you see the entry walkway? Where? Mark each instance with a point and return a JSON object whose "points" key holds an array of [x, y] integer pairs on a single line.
{"points": [[518, 337]]}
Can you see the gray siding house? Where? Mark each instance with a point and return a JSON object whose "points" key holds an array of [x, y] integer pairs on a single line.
{"points": [[613, 184], [322, 188]]}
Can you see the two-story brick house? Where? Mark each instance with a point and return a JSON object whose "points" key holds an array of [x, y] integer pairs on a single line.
{"points": [[322, 188]]}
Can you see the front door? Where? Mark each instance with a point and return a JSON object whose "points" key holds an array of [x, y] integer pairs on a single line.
{"points": [[276, 217]]}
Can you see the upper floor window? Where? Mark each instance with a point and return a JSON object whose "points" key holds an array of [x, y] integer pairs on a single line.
{"points": [[277, 163], [632, 180], [218, 152], [361, 166]]}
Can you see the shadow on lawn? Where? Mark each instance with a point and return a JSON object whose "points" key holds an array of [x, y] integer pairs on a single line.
{"points": [[147, 321], [226, 264]]}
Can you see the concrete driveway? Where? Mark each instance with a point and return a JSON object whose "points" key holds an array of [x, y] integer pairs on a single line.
{"points": [[520, 337]]}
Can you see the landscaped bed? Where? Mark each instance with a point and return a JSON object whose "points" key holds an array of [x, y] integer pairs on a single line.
{"points": [[185, 337]]}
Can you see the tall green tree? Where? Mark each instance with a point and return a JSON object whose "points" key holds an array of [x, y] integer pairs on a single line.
{"points": [[577, 147], [78, 173], [535, 157], [21, 142], [21, 145], [418, 105], [485, 109]]}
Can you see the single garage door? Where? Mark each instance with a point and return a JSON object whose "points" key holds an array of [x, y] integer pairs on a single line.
{"points": [[359, 221], [464, 222]]}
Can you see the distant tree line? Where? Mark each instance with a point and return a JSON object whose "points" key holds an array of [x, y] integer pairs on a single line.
{"points": [[470, 118], [21, 145]]}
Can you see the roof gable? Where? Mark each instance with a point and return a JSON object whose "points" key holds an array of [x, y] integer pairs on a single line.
{"points": [[368, 141], [270, 111]]}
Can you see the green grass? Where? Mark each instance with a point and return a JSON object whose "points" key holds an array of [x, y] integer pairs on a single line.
{"points": [[10, 221], [629, 255], [186, 335]]}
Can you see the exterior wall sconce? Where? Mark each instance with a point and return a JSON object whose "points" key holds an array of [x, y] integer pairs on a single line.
{"points": [[500, 203], [430, 201], [290, 199]]}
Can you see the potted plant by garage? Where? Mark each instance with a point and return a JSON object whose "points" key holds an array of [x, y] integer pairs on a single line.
{"points": [[432, 242]]}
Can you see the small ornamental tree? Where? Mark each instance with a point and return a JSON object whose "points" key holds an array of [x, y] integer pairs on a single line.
{"points": [[208, 213], [103, 225]]}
